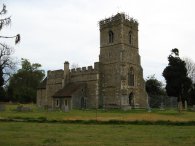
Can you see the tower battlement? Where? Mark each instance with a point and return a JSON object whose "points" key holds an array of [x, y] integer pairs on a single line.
{"points": [[119, 17]]}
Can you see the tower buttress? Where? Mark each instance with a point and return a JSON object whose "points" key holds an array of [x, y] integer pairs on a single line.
{"points": [[120, 69]]}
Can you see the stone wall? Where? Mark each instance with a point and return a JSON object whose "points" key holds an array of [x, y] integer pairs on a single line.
{"points": [[54, 83], [41, 97], [106, 83], [90, 76], [64, 104], [79, 98], [116, 59]]}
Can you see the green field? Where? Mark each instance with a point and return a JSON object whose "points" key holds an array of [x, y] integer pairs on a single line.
{"points": [[49, 134], [56, 131], [101, 115]]}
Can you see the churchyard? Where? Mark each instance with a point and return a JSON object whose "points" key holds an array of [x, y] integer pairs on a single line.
{"points": [[34, 126]]}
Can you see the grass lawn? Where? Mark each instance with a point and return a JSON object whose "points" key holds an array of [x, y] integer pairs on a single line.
{"points": [[61, 134], [101, 115], [56, 134]]}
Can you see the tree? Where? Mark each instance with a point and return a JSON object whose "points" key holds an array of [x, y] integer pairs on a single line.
{"points": [[191, 99], [23, 85], [177, 81], [153, 86], [74, 66], [190, 66], [155, 91], [6, 62]]}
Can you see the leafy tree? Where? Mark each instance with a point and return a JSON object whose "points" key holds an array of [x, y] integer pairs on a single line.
{"points": [[154, 87], [177, 81], [6, 62], [190, 66], [155, 91], [24, 83]]}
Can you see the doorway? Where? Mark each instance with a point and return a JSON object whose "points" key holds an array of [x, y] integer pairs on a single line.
{"points": [[66, 106], [83, 103], [131, 99]]}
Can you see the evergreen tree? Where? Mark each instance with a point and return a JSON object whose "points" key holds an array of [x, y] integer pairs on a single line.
{"points": [[155, 91], [178, 83]]}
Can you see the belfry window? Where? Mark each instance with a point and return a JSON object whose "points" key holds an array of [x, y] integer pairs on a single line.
{"points": [[130, 37], [131, 77], [111, 36]]}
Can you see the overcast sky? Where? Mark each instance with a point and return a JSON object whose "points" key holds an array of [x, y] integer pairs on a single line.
{"points": [[54, 31]]}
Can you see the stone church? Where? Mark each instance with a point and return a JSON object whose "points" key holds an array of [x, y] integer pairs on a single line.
{"points": [[116, 81]]}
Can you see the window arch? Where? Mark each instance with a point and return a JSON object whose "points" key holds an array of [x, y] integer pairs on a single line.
{"points": [[130, 37], [111, 36], [131, 77]]}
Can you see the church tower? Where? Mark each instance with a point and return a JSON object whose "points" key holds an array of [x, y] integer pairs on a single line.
{"points": [[121, 75]]}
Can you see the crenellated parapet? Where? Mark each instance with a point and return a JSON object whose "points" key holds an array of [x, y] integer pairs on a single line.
{"points": [[85, 74], [85, 70], [117, 19]]}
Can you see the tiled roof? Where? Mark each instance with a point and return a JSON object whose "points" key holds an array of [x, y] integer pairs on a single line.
{"points": [[68, 90]]}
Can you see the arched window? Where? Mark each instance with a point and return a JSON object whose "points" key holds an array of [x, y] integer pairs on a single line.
{"points": [[130, 38], [131, 77], [111, 36]]}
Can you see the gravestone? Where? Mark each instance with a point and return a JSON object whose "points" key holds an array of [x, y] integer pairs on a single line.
{"points": [[2, 107], [193, 108], [21, 108]]}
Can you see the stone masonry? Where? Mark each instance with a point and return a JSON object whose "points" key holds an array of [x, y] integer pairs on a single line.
{"points": [[116, 81]]}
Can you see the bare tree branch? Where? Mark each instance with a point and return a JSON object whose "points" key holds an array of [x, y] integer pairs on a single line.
{"points": [[190, 66], [17, 38], [7, 63], [5, 22], [3, 11]]}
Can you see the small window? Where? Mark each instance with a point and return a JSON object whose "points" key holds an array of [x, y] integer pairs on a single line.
{"points": [[130, 37], [111, 37], [66, 102], [131, 77]]}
